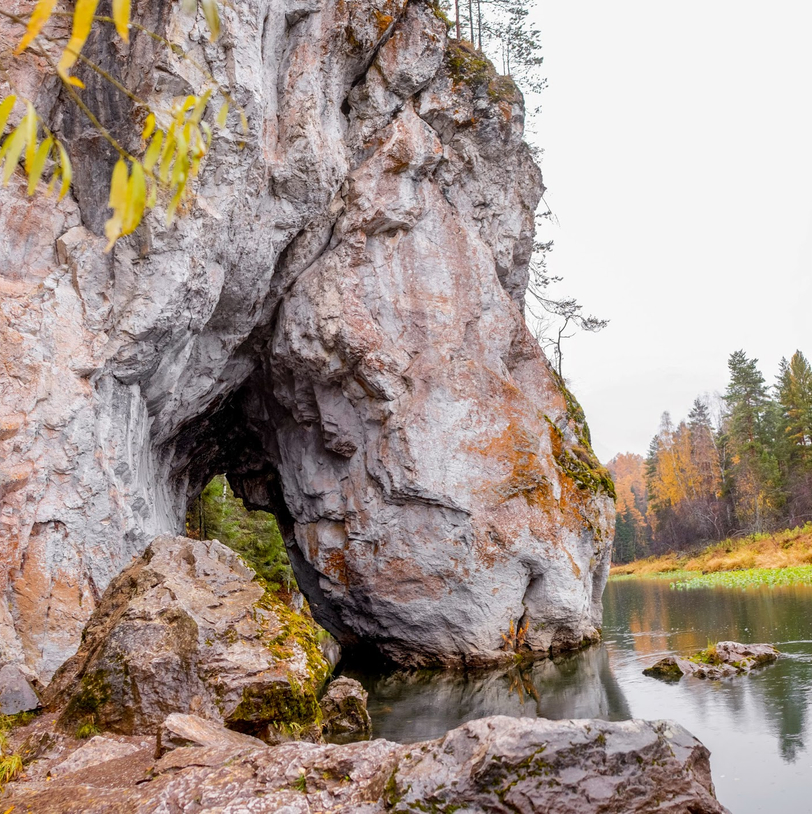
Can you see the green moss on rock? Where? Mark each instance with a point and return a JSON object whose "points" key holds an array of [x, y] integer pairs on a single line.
{"points": [[279, 704], [219, 514], [295, 629], [468, 66], [84, 705], [579, 462]]}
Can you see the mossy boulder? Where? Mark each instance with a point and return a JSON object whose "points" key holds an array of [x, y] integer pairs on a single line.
{"points": [[719, 660], [344, 711], [189, 628]]}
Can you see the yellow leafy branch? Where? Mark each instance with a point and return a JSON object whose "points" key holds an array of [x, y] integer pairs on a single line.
{"points": [[172, 153]]}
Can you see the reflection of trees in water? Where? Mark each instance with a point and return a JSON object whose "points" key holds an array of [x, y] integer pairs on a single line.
{"points": [[663, 619], [419, 705]]}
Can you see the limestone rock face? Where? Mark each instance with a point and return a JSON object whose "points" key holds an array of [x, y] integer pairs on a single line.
{"points": [[16, 694], [336, 322], [186, 629], [494, 765]]}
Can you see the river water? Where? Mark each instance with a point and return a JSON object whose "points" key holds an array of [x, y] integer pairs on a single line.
{"points": [[757, 727]]}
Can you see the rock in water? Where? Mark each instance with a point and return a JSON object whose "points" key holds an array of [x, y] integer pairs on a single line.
{"points": [[187, 629], [531, 766], [344, 710], [337, 323], [719, 661]]}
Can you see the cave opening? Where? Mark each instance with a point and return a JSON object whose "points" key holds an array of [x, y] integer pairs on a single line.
{"points": [[227, 469], [217, 513]]}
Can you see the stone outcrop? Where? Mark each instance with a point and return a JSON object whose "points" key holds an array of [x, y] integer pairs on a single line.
{"points": [[179, 731], [336, 322], [16, 693], [494, 764], [187, 629], [721, 660], [344, 711], [96, 751]]}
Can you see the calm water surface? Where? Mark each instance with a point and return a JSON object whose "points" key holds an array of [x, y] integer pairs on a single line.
{"points": [[757, 727]]}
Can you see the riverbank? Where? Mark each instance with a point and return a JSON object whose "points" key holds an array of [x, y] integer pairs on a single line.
{"points": [[760, 555]]}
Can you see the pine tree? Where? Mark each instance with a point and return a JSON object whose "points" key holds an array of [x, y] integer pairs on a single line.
{"points": [[748, 427], [794, 435]]}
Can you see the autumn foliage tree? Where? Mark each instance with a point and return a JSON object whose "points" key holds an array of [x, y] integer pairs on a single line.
{"points": [[632, 529], [750, 471]]}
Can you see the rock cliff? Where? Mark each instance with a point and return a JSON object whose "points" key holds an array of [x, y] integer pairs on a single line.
{"points": [[336, 322]]}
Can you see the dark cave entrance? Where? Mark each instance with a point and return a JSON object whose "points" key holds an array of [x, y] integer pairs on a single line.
{"points": [[226, 469]]}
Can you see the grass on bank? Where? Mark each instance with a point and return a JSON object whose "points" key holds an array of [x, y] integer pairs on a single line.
{"points": [[783, 558]]}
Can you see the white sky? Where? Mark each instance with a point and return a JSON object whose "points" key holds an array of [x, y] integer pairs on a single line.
{"points": [[678, 161]]}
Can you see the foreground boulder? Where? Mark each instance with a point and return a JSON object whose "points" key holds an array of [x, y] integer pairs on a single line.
{"points": [[718, 661], [336, 323], [495, 765], [187, 628]]}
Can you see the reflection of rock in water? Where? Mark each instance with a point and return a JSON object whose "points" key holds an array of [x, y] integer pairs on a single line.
{"points": [[417, 705]]}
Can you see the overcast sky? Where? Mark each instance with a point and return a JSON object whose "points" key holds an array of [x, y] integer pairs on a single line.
{"points": [[678, 161]]}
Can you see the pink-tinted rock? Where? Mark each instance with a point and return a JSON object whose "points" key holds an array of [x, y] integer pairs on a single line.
{"points": [[493, 764], [186, 629], [336, 322]]}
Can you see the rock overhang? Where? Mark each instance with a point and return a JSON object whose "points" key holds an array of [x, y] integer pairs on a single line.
{"points": [[337, 324]]}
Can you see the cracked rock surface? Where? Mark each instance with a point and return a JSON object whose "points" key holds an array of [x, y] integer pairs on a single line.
{"points": [[491, 765], [335, 322]]}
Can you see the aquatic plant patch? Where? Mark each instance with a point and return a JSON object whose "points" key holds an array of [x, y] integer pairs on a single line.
{"points": [[744, 579]]}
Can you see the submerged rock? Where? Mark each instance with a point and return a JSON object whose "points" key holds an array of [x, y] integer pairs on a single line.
{"points": [[719, 661], [344, 710], [493, 764], [336, 322], [188, 629]]}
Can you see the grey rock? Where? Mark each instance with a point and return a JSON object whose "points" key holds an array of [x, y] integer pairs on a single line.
{"points": [[724, 659], [491, 765], [97, 750], [336, 323], [344, 710], [187, 629], [578, 767], [16, 694], [180, 730]]}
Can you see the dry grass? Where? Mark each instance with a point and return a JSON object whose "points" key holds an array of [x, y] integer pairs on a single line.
{"points": [[784, 549], [11, 766]]}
